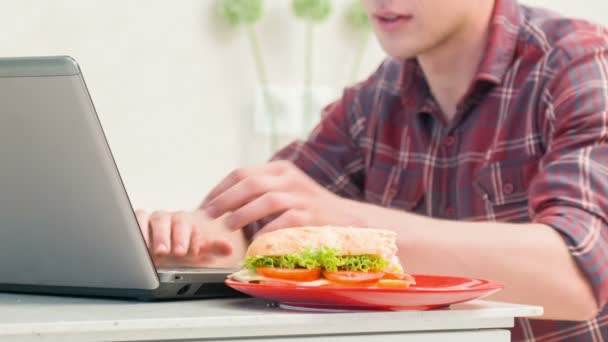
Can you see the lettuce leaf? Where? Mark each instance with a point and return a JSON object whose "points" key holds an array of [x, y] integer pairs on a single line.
{"points": [[324, 258]]}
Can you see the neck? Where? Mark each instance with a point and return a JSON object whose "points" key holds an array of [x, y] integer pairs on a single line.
{"points": [[451, 66]]}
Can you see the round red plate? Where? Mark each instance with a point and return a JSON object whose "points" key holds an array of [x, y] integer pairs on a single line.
{"points": [[429, 292]]}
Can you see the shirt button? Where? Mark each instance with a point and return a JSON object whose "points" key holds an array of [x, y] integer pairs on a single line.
{"points": [[450, 212], [392, 192], [507, 188], [449, 140]]}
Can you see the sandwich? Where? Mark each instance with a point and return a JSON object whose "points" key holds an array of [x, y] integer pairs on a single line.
{"points": [[324, 256]]}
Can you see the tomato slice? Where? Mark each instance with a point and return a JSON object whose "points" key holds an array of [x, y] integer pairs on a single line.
{"points": [[393, 283], [295, 274], [353, 278]]}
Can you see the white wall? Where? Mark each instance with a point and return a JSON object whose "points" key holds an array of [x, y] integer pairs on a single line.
{"points": [[174, 86]]}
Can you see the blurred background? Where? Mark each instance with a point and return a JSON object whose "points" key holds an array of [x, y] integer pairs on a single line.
{"points": [[175, 85]]}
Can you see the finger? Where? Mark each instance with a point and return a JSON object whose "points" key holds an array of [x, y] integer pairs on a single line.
{"points": [[160, 232], [268, 204], [238, 175], [220, 248], [290, 218], [142, 219], [243, 192], [232, 178], [180, 233], [197, 241]]}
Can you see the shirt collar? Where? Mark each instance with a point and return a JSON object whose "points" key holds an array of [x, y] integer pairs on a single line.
{"points": [[499, 54], [502, 42], [413, 85]]}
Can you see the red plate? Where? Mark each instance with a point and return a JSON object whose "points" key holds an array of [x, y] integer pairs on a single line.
{"points": [[429, 292]]}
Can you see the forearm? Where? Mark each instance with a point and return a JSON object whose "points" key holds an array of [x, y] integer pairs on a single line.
{"points": [[532, 260]]}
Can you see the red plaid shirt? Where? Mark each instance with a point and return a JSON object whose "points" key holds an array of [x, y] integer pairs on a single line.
{"points": [[528, 144]]}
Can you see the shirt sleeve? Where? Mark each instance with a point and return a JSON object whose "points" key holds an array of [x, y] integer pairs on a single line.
{"points": [[331, 154], [570, 192]]}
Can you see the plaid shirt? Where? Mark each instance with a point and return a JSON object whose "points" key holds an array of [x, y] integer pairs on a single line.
{"points": [[528, 144]]}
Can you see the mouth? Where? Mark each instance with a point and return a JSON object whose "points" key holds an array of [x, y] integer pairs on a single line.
{"points": [[391, 21]]}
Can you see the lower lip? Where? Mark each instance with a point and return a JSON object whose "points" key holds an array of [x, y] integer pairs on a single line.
{"points": [[392, 25]]}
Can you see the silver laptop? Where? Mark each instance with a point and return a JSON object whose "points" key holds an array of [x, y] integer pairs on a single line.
{"points": [[66, 222]]}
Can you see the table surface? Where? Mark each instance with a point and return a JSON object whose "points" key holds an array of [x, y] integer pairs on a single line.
{"points": [[53, 316]]}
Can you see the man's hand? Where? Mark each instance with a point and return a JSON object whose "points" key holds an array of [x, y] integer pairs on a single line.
{"points": [[189, 239], [281, 191]]}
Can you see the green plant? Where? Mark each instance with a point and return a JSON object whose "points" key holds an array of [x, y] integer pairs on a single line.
{"points": [[311, 11], [246, 13], [358, 21], [237, 12]]}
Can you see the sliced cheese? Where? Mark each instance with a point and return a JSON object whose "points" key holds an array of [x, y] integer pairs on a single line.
{"points": [[248, 276]]}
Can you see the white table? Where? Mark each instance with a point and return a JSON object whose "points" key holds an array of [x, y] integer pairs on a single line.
{"points": [[42, 318]]}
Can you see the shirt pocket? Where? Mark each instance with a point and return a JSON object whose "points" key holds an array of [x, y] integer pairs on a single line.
{"points": [[394, 187], [503, 187]]}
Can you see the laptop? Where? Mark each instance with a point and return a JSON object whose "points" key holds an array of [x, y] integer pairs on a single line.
{"points": [[67, 226]]}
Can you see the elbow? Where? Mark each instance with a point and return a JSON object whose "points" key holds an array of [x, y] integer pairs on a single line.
{"points": [[584, 304], [584, 311], [578, 303], [588, 307], [592, 314], [571, 294]]}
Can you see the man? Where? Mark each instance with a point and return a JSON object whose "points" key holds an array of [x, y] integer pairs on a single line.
{"points": [[481, 141]]}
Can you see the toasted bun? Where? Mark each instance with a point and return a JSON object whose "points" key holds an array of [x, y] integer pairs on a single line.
{"points": [[347, 241]]}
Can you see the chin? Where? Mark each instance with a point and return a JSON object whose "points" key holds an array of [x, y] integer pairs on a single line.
{"points": [[401, 51]]}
